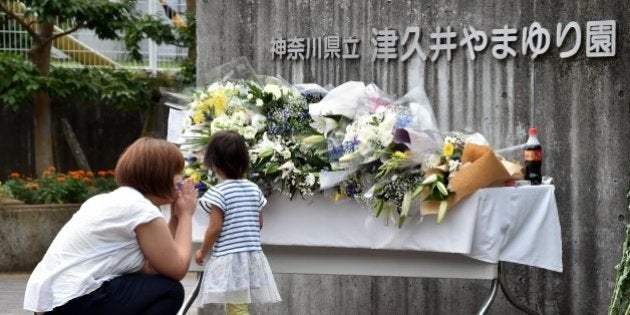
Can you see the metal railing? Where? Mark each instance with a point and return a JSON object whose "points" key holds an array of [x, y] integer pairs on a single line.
{"points": [[84, 48]]}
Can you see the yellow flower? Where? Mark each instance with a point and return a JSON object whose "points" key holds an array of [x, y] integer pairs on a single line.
{"points": [[448, 149], [219, 102], [399, 155], [204, 106], [198, 117], [195, 177]]}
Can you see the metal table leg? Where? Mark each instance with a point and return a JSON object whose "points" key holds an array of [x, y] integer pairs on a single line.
{"points": [[493, 292], [189, 301]]}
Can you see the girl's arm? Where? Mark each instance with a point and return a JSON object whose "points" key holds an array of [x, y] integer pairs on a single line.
{"points": [[166, 253], [211, 235], [260, 219]]}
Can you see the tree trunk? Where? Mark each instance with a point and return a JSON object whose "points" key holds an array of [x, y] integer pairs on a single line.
{"points": [[149, 120], [42, 120], [75, 146]]}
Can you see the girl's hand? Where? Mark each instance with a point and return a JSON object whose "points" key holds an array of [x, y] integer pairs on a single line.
{"points": [[186, 202], [199, 257]]}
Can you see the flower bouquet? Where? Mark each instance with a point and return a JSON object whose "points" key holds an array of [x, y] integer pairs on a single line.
{"points": [[221, 106], [396, 187], [286, 153], [463, 168], [352, 142]]}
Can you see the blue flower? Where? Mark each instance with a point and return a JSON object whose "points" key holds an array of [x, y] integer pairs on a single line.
{"points": [[402, 121], [334, 151], [351, 191], [200, 186]]}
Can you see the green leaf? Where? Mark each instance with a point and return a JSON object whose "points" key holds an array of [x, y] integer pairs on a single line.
{"points": [[378, 207], [401, 220]]}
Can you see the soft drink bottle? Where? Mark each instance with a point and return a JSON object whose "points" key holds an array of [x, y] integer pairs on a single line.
{"points": [[533, 158]]}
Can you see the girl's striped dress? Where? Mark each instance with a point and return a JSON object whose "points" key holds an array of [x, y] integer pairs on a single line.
{"points": [[238, 271]]}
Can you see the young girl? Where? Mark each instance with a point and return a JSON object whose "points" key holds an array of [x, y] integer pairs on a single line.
{"points": [[238, 272]]}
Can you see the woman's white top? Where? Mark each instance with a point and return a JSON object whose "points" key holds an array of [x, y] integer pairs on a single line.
{"points": [[97, 244]]}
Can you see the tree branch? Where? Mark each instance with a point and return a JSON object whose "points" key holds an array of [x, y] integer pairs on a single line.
{"points": [[20, 20], [72, 30]]}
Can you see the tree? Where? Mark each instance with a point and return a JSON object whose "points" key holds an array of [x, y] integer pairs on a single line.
{"points": [[620, 297], [108, 20]]}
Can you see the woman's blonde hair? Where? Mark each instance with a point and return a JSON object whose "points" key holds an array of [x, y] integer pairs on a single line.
{"points": [[149, 165]]}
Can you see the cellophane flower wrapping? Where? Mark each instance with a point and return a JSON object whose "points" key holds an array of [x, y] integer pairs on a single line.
{"points": [[353, 141], [271, 115]]}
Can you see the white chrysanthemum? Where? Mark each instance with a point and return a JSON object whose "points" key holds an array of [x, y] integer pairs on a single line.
{"points": [[274, 90], [310, 179], [288, 168], [240, 118], [453, 165], [286, 153], [220, 123], [432, 161], [213, 87], [365, 149], [249, 133], [258, 122], [386, 127]]}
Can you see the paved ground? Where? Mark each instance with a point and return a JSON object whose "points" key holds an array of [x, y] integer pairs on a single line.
{"points": [[12, 292]]}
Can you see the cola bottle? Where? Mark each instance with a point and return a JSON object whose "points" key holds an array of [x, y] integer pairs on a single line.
{"points": [[533, 158]]}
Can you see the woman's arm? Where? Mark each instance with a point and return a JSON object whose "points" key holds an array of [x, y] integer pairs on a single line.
{"points": [[212, 233], [172, 223], [169, 254]]}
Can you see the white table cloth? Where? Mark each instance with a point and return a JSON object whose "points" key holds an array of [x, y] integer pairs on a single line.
{"points": [[518, 225]]}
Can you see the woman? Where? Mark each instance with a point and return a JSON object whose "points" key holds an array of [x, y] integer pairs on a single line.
{"points": [[117, 254]]}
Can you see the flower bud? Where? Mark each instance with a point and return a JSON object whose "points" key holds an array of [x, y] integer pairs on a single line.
{"points": [[268, 151], [442, 188], [442, 211], [314, 139], [430, 180]]}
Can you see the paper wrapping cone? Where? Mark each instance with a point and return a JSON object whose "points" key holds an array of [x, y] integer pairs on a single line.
{"points": [[480, 168], [516, 170]]}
